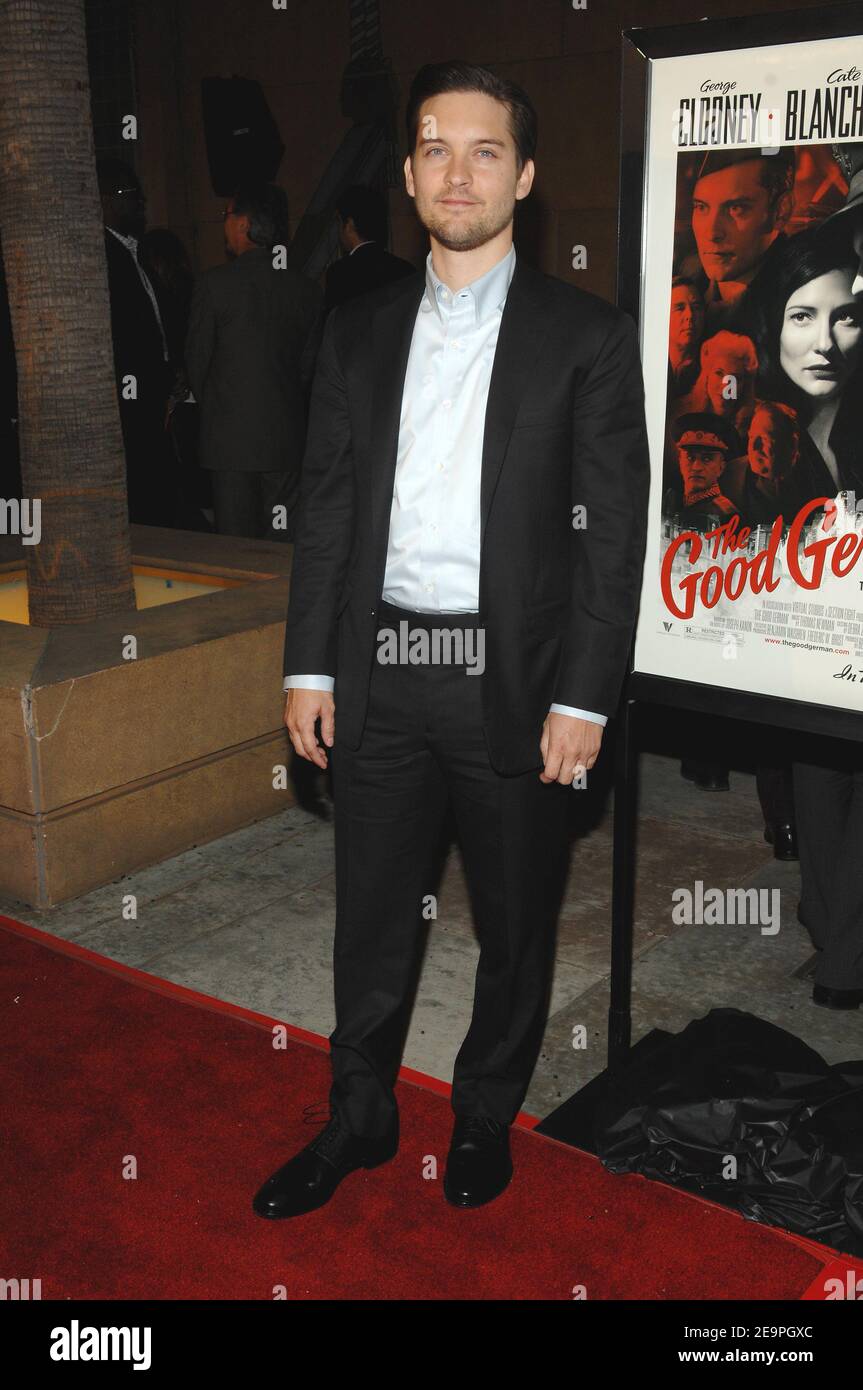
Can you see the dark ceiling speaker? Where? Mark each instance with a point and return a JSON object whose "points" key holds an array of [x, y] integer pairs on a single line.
{"points": [[243, 140]]}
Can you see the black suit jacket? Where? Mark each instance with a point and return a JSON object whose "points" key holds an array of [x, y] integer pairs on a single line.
{"points": [[253, 337], [564, 427], [369, 267], [138, 347]]}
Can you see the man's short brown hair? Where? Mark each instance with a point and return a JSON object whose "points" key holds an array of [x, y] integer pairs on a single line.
{"points": [[435, 78]]}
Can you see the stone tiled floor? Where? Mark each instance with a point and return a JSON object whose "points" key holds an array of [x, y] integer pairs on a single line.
{"points": [[249, 918]]}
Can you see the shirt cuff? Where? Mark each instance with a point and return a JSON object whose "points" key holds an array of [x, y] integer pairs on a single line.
{"points": [[579, 713], [309, 682]]}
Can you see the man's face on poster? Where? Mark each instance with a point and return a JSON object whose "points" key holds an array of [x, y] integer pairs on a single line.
{"points": [[687, 317], [732, 222], [700, 466], [727, 369], [771, 445]]}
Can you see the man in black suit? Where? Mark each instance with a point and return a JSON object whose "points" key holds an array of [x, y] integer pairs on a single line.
{"points": [[254, 332], [476, 475], [366, 264], [140, 349]]}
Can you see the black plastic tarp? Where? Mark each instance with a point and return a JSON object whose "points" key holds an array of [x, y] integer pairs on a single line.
{"points": [[745, 1114]]}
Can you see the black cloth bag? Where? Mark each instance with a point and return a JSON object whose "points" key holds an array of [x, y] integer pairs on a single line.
{"points": [[747, 1115]]}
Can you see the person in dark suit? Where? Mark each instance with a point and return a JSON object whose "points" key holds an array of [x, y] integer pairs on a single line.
{"points": [[254, 332], [460, 421], [366, 264], [140, 349]]}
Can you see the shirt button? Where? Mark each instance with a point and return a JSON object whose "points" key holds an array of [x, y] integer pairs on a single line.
{"points": [[445, 405], [429, 588]]}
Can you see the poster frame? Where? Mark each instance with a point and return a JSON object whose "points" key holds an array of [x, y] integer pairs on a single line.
{"points": [[639, 48]]}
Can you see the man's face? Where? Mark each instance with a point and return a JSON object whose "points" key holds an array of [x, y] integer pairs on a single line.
{"points": [[724, 369], [236, 230], [462, 174], [857, 287], [769, 447], [125, 210], [731, 221], [700, 467], [687, 317]]}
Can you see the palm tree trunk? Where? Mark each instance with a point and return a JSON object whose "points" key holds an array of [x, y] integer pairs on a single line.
{"points": [[72, 458]]}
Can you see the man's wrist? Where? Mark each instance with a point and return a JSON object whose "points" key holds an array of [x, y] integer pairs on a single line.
{"points": [[576, 713], [313, 682]]}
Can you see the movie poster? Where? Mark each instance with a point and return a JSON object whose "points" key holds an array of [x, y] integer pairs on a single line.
{"points": [[752, 345]]}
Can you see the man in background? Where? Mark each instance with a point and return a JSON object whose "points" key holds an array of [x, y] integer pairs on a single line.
{"points": [[140, 348], [253, 336], [362, 214]]}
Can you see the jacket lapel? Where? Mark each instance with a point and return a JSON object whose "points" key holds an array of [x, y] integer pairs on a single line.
{"points": [[523, 326], [392, 330]]}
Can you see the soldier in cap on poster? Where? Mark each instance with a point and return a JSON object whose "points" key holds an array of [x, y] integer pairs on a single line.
{"points": [[705, 445]]}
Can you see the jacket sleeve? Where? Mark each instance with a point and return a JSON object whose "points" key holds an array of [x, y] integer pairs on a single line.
{"points": [[610, 478], [200, 337], [325, 520], [312, 344]]}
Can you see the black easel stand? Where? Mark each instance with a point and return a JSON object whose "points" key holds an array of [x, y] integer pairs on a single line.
{"points": [[572, 1122], [623, 886]]}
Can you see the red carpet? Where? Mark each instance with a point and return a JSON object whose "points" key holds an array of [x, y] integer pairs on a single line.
{"points": [[106, 1068]]}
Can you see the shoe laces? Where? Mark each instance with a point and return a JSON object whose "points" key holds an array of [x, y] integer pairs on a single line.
{"points": [[332, 1139], [479, 1124]]}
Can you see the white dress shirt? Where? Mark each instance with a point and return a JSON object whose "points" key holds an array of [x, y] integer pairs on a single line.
{"points": [[433, 548], [131, 245]]}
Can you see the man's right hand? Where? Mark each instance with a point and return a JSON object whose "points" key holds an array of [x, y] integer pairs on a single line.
{"points": [[302, 709]]}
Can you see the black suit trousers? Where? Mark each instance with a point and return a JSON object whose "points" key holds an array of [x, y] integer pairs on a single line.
{"points": [[828, 796], [423, 749]]}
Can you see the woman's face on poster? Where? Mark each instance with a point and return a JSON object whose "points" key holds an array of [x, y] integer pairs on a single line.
{"points": [[820, 339]]}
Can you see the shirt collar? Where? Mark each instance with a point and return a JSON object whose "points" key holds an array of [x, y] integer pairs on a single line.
{"points": [[485, 295], [130, 242]]}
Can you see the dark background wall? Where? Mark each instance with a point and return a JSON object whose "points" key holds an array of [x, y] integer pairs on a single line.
{"points": [[568, 60]]}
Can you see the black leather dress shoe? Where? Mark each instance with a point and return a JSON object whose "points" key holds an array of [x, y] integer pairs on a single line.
{"points": [[708, 777], [309, 1179], [783, 838], [478, 1166], [837, 998]]}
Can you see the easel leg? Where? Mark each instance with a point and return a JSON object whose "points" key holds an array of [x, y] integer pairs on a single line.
{"points": [[623, 887]]}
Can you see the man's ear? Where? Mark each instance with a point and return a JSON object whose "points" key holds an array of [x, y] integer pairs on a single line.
{"points": [[784, 209], [525, 179], [409, 178]]}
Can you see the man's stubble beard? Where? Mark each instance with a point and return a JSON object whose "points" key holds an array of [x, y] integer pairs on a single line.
{"points": [[459, 237]]}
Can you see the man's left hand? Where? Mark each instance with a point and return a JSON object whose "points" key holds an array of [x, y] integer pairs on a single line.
{"points": [[568, 745]]}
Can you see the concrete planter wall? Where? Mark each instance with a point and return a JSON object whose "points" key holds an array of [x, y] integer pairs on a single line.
{"points": [[109, 764]]}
